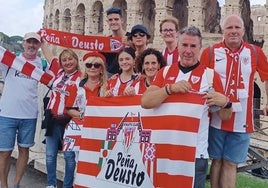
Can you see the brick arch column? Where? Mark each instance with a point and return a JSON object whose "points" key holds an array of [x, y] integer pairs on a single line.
{"points": [[163, 9], [134, 15], [196, 14], [232, 7]]}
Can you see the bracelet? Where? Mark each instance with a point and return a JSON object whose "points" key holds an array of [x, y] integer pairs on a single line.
{"points": [[169, 88], [166, 88], [227, 101]]}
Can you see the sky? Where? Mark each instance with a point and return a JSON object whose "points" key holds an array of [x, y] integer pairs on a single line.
{"points": [[18, 17]]}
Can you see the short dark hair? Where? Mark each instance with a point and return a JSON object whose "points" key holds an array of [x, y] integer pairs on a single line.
{"points": [[114, 10], [192, 31]]}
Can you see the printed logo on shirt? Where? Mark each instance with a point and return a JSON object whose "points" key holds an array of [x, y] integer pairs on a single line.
{"points": [[195, 79], [20, 75]]}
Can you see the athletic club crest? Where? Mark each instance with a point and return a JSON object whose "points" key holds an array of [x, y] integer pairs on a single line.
{"points": [[127, 155], [195, 79], [115, 45]]}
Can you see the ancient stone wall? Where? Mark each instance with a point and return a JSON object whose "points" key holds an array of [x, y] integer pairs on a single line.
{"points": [[88, 17]]}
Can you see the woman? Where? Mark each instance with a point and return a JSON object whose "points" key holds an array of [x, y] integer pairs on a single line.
{"points": [[119, 82], [169, 30], [67, 74], [93, 83], [148, 64]]}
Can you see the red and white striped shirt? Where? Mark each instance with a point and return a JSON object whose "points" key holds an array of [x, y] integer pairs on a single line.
{"points": [[171, 57], [60, 88], [220, 60], [118, 86], [200, 84]]}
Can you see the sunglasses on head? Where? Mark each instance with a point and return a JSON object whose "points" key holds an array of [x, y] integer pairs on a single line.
{"points": [[95, 65], [139, 34]]}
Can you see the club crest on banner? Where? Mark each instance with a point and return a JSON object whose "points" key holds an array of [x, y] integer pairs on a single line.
{"points": [[124, 163], [115, 45]]}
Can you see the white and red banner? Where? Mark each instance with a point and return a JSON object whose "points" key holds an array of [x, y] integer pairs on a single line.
{"points": [[72, 135], [11, 60], [82, 42], [124, 145]]}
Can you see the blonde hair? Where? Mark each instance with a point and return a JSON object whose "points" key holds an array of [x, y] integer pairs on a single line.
{"points": [[103, 77], [72, 53]]}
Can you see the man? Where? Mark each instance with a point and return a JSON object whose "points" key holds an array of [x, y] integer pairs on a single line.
{"points": [[18, 112], [139, 37], [236, 63], [115, 22], [169, 30], [183, 80]]}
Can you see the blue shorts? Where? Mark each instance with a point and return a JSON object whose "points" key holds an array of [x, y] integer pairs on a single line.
{"points": [[231, 146], [23, 128]]}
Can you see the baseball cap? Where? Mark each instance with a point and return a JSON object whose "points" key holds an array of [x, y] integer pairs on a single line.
{"points": [[139, 28], [114, 10], [32, 35]]}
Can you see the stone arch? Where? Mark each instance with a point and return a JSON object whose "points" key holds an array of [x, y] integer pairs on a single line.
{"points": [[97, 18], [122, 4], [50, 23], [147, 12], [248, 23], [67, 20], [79, 19], [180, 11], [212, 12], [57, 20]]}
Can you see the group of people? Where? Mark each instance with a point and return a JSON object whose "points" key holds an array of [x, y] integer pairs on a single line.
{"points": [[223, 74]]}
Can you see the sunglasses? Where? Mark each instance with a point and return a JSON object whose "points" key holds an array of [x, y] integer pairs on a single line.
{"points": [[138, 34], [95, 65]]}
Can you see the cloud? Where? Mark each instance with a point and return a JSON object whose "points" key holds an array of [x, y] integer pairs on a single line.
{"points": [[18, 17]]}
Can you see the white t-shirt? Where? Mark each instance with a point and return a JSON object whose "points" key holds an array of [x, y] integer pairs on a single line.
{"points": [[19, 97]]}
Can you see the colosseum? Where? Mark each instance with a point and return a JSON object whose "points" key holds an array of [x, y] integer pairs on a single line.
{"points": [[88, 17]]}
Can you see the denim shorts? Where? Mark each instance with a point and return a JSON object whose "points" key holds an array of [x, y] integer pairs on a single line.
{"points": [[231, 146], [24, 129]]}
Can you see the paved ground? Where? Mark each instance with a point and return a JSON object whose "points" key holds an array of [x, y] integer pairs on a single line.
{"points": [[32, 177]]}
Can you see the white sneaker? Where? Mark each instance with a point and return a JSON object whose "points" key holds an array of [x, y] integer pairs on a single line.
{"points": [[50, 186]]}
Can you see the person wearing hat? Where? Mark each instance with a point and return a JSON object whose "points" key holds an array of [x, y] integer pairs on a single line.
{"points": [[115, 22], [140, 38], [18, 111], [93, 83]]}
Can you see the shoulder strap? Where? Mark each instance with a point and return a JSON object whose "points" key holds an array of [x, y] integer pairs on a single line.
{"points": [[210, 75], [255, 52], [7, 71], [49, 88], [210, 54]]}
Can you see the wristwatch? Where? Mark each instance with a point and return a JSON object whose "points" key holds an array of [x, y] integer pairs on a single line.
{"points": [[228, 105]]}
